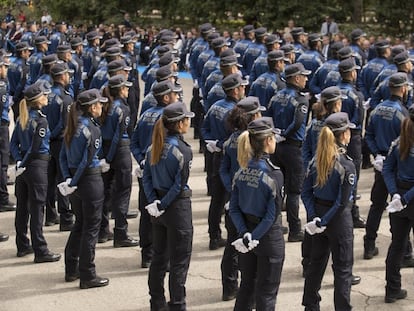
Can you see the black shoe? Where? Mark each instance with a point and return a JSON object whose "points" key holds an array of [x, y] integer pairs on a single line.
{"points": [[128, 242], [407, 262], [96, 282], [7, 207], [132, 214], [3, 237], [49, 257], [390, 298], [25, 252], [66, 227], [359, 222], [285, 230], [105, 237], [217, 243], [356, 279], [71, 277], [370, 253], [230, 296], [49, 223], [296, 237]]}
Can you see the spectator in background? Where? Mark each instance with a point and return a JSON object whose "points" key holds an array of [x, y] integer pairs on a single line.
{"points": [[329, 27], [290, 26], [46, 18]]}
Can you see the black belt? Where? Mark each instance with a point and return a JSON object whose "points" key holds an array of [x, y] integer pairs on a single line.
{"points": [[4, 123], [124, 142], [87, 171], [40, 156], [253, 219], [183, 194], [405, 185], [355, 131], [324, 202], [293, 142]]}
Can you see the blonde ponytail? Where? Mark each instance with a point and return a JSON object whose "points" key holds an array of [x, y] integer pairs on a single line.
{"points": [[23, 114], [326, 153], [244, 149]]}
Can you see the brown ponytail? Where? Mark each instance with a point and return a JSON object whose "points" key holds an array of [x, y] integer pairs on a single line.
{"points": [[406, 138]]}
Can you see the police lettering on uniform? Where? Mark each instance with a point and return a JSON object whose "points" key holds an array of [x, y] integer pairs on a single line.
{"points": [[289, 110], [327, 191], [255, 206], [83, 182], [116, 156], [165, 180], [29, 146], [399, 178]]}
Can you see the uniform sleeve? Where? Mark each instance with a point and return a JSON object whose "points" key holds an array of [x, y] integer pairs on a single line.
{"points": [[15, 143], [225, 170], [301, 111], [87, 155], [206, 128], [63, 163], [389, 170], [314, 83], [147, 181], [307, 196], [118, 118], [39, 133], [135, 146], [370, 134], [235, 211], [307, 150]]}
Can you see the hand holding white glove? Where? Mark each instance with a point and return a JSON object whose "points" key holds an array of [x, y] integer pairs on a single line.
{"points": [[212, 146], [395, 205], [312, 227], [18, 169], [65, 189], [153, 209], [239, 246], [279, 138], [227, 206], [247, 239], [378, 162], [367, 104], [105, 166]]}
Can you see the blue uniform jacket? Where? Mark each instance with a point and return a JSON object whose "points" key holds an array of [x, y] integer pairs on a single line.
{"points": [[260, 66], [382, 92], [35, 66], [198, 47], [150, 78], [214, 77], [229, 164], [100, 77], [352, 104], [396, 169], [386, 72], [240, 48], [317, 83], [17, 75], [257, 191], [91, 58], [311, 60], [368, 75], [214, 95], [384, 125], [170, 175], [4, 101], [289, 109], [33, 140], [142, 134], [83, 150], [337, 189], [210, 66], [265, 86], [148, 102], [115, 127], [250, 55], [214, 125], [311, 141]]}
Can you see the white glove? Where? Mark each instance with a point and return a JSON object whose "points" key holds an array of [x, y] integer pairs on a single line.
{"points": [[84, 75], [312, 228], [279, 138], [227, 206], [247, 237], [378, 162], [212, 146], [11, 174], [153, 209], [195, 84], [138, 172], [239, 246], [105, 166], [65, 189], [19, 170], [366, 104], [395, 205]]}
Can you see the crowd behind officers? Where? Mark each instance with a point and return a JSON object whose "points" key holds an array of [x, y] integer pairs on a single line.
{"points": [[80, 138]]}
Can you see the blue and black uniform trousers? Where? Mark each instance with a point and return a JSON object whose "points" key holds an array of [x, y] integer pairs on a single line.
{"points": [[118, 185], [4, 160], [55, 177], [172, 242], [354, 150], [338, 239], [401, 223], [87, 203], [261, 269], [288, 157], [31, 191], [145, 225]]}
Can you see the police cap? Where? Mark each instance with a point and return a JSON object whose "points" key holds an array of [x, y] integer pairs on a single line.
{"points": [[229, 52], [248, 29], [91, 97], [21, 46], [272, 39], [332, 94], [49, 59], [165, 49], [165, 72], [126, 40], [219, 42], [296, 69], [276, 55], [348, 65], [288, 48], [118, 80], [260, 32], [112, 42], [117, 65], [232, 81], [345, 52], [397, 49], [36, 90], [339, 122], [93, 35], [59, 69], [263, 125], [113, 51], [296, 31], [40, 40], [314, 37], [357, 33], [176, 112], [76, 41], [206, 28], [168, 59], [401, 58], [398, 79], [63, 48], [250, 105], [165, 87], [382, 44]]}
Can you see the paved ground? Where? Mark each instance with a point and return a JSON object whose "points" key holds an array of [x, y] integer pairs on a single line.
{"points": [[41, 287]]}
